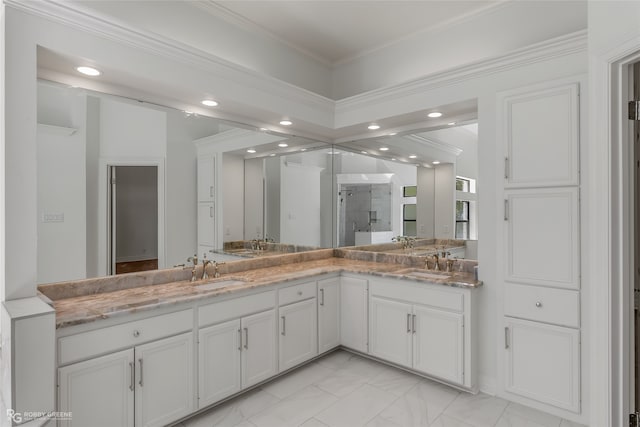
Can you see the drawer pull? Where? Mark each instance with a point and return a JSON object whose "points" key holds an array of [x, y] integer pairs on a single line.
{"points": [[408, 322], [136, 333], [240, 339], [321, 296], [140, 361], [299, 293], [538, 304], [133, 377], [211, 191], [506, 337], [246, 338], [284, 331], [413, 325]]}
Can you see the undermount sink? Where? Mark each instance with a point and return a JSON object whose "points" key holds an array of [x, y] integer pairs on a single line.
{"points": [[427, 274], [219, 284]]}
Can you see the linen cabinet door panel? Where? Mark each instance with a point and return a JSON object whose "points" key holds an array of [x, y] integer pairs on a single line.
{"points": [[390, 331], [259, 359], [206, 225], [165, 378], [328, 314], [438, 345], [206, 178], [542, 135], [99, 392], [298, 333], [542, 233], [219, 362], [543, 362]]}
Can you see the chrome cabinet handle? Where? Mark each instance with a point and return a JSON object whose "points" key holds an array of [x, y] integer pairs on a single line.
{"points": [[413, 326], [211, 212], [140, 361], [506, 210], [246, 338], [408, 322], [284, 331], [538, 304], [321, 296], [133, 375], [136, 333], [506, 337], [506, 168], [211, 191], [240, 339]]}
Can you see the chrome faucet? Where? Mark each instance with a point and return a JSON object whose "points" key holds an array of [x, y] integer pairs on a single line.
{"points": [[205, 263], [194, 260], [450, 263], [216, 273], [436, 258]]}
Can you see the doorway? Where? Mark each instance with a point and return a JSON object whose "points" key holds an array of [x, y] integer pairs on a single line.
{"points": [[133, 218], [634, 310]]}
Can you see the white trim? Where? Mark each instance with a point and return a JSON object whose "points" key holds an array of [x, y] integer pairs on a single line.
{"points": [[434, 144], [103, 165]]}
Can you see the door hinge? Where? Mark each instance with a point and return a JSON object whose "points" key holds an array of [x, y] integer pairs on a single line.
{"points": [[634, 420], [634, 110]]}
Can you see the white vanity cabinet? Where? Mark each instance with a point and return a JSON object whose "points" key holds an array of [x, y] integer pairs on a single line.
{"points": [[239, 348], [354, 313], [149, 384], [421, 327], [298, 324], [328, 314]]}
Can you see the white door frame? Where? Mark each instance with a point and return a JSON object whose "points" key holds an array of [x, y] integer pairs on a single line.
{"points": [[103, 204], [611, 251]]}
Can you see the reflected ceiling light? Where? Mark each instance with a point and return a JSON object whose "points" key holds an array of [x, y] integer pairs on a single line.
{"points": [[286, 122], [413, 156], [283, 145], [393, 158], [436, 162], [373, 126], [451, 123], [263, 129], [435, 114], [384, 148], [364, 152], [393, 133], [251, 150], [88, 71], [303, 149], [209, 102], [272, 155]]}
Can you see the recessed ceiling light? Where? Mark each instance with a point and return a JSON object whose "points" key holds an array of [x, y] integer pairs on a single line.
{"points": [[413, 156], [209, 102], [283, 145], [384, 148], [393, 159], [88, 71], [435, 114], [373, 126], [451, 123], [436, 162], [286, 122], [251, 150]]}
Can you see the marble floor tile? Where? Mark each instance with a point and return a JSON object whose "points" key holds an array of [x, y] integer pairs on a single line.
{"points": [[479, 410], [296, 409], [246, 423], [395, 381], [421, 405], [297, 380], [313, 423], [341, 382], [335, 360], [381, 422], [358, 408], [567, 423], [516, 415], [364, 367], [235, 411], [447, 421]]}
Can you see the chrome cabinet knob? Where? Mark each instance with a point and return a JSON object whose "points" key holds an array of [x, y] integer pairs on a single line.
{"points": [[136, 334], [538, 304], [299, 292]]}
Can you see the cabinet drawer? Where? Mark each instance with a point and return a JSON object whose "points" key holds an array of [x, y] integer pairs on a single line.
{"points": [[297, 293], [557, 306], [235, 308], [432, 295], [93, 343]]}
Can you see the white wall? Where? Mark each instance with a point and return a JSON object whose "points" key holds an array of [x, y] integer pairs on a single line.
{"points": [[233, 197], [253, 198], [300, 204]]}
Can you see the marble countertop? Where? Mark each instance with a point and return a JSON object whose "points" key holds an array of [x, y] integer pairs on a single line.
{"points": [[117, 301]]}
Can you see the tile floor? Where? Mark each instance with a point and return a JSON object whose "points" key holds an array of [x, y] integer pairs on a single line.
{"points": [[346, 390]]}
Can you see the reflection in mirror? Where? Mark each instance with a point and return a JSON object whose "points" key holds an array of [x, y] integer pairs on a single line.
{"points": [[119, 184], [419, 183]]}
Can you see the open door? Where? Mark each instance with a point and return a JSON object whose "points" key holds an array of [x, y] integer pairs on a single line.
{"points": [[133, 219]]}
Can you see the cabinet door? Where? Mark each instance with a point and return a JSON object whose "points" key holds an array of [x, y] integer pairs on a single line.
{"points": [[165, 375], [354, 319], [438, 343], [543, 362], [541, 131], [206, 225], [206, 178], [298, 333], [390, 330], [219, 362], [542, 237], [99, 391], [259, 359], [328, 314]]}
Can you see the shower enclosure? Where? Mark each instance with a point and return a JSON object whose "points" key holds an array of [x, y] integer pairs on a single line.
{"points": [[365, 214]]}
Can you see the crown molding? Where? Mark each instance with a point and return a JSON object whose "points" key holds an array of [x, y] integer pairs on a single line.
{"points": [[434, 144], [539, 52], [74, 16]]}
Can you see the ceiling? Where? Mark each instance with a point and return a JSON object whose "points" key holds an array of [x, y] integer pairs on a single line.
{"points": [[336, 31]]}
